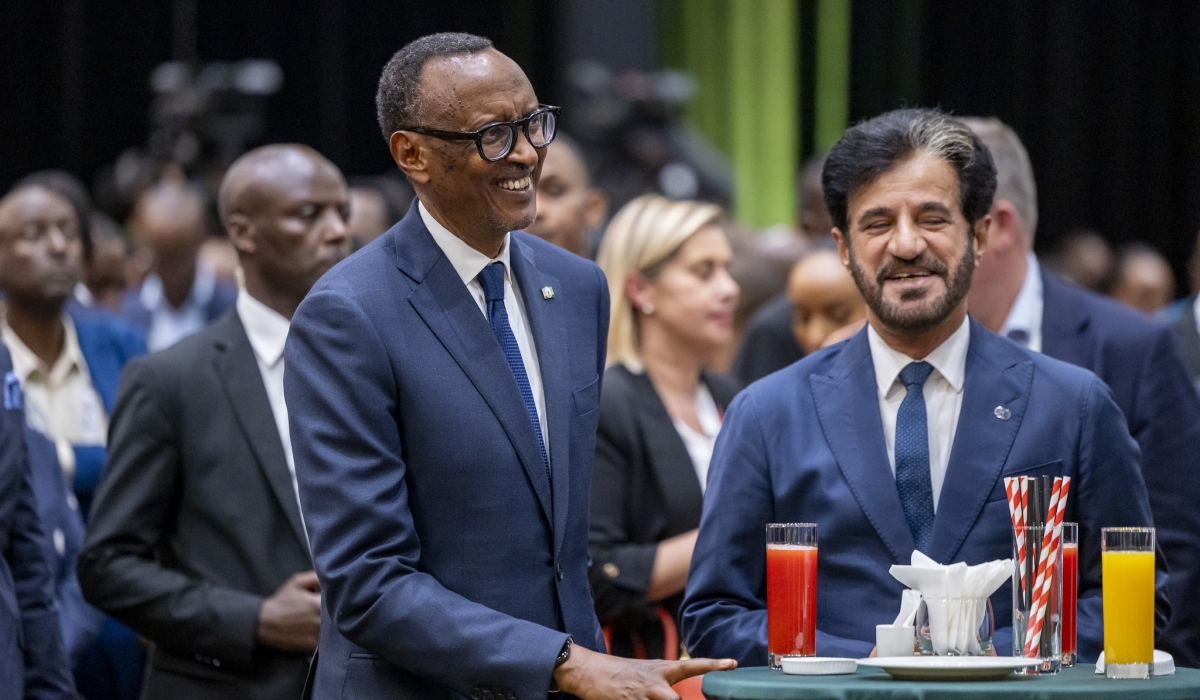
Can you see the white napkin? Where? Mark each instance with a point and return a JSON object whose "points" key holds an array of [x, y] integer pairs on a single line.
{"points": [[953, 626]]}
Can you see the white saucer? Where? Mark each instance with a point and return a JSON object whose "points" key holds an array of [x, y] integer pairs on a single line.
{"points": [[949, 668], [817, 666]]}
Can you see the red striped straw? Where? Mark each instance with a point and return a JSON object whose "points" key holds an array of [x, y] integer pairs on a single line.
{"points": [[1044, 580], [1018, 517]]}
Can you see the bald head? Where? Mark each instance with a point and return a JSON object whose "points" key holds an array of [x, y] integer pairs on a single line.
{"points": [[285, 208], [170, 215]]}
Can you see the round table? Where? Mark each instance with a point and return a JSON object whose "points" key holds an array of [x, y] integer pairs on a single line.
{"points": [[871, 683]]}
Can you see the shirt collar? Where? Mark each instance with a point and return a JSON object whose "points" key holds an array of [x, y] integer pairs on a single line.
{"points": [[266, 328], [467, 261], [25, 362], [1026, 312], [948, 359]]}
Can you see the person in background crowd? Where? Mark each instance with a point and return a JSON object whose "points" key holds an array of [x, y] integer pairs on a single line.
{"points": [[446, 381], [1142, 278], [667, 265], [68, 361], [33, 661], [569, 207], [179, 297], [368, 216], [1184, 317], [1136, 357], [104, 281], [218, 254], [197, 540], [899, 439], [769, 344], [1084, 257], [824, 300]]}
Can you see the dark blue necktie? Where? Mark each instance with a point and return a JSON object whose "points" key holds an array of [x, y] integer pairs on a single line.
{"points": [[912, 455], [492, 281]]}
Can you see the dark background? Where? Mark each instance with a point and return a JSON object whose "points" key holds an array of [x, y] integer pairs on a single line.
{"points": [[1105, 93]]}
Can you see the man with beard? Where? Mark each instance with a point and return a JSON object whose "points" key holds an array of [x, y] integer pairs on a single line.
{"points": [[196, 539], [900, 438]]}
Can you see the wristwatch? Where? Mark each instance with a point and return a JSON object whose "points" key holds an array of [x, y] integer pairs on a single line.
{"points": [[564, 654]]}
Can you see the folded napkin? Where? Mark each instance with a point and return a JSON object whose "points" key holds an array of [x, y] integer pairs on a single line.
{"points": [[955, 597]]}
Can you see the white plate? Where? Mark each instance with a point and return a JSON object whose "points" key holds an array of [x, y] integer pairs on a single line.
{"points": [[817, 666], [949, 668]]}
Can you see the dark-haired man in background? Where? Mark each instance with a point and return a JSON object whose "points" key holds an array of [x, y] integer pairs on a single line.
{"points": [[443, 386], [900, 438], [196, 540], [1015, 296]]}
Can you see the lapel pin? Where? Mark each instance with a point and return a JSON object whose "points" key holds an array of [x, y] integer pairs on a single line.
{"points": [[1002, 413], [547, 292]]}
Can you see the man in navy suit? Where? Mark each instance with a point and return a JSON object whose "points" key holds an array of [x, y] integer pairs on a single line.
{"points": [[33, 662], [442, 387], [1134, 354], [900, 438]]}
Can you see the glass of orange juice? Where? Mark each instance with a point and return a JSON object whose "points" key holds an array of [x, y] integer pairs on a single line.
{"points": [[1128, 578]]}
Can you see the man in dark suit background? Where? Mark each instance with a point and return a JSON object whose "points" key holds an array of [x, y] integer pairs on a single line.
{"points": [[196, 539], [900, 437], [33, 661], [443, 386], [1134, 354]]}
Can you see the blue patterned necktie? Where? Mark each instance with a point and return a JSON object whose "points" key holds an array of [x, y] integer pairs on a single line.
{"points": [[912, 455], [492, 281]]}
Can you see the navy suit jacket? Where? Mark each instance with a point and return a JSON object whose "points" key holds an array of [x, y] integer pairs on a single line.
{"points": [[1139, 359], [33, 663], [806, 445], [450, 565]]}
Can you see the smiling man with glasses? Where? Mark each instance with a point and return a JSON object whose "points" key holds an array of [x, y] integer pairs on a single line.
{"points": [[442, 387]]}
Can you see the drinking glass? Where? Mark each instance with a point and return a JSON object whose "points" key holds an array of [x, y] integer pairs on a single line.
{"points": [[1037, 608], [791, 591], [1070, 586], [1128, 576]]}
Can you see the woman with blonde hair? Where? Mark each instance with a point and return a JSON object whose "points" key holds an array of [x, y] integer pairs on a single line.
{"points": [[673, 301]]}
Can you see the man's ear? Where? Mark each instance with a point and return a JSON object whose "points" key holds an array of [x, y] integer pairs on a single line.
{"points": [[843, 246], [241, 233], [409, 157], [983, 229]]}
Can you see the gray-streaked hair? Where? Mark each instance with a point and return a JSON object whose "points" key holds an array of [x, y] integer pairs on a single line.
{"points": [[400, 83], [869, 149], [1014, 174]]}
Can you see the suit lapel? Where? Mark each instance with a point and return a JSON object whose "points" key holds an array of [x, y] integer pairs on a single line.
{"points": [[998, 376], [547, 319], [238, 372], [673, 468], [847, 404], [1064, 321], [444, 304]]}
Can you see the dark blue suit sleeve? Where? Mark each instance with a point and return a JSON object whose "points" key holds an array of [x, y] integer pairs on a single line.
{"points": [[1110, 493], [342, 400], [725, 609]]}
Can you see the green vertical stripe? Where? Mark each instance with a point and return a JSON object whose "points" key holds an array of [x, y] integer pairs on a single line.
{"points": [[831, 106]]}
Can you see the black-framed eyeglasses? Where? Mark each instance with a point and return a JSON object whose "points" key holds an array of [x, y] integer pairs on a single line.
{"points": [[496, 140]]}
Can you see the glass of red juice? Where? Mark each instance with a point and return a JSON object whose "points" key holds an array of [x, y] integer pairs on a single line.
{"points": [[1070, 587], [791, 591]]}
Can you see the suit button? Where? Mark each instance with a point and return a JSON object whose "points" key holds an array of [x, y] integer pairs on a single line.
{"points": [[610, 570], [558, 571]]}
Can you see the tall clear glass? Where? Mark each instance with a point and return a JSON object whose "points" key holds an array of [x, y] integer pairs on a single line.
{"points": [[791, 591], [1128, 576], [1070, 605], [1037, 598]]}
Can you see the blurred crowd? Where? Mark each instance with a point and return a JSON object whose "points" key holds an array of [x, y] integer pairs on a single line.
{"points": [[701, 305]]}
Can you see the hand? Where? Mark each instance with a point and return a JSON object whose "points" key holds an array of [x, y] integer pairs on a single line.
{"points": [[290, 618], [592, 676]]}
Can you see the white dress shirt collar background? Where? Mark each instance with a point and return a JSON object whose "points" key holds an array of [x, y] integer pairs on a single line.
{"points": [[1026, 312]]}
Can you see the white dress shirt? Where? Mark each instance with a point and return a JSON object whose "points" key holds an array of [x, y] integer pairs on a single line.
{"points": [[1026, 312], [943, 396], [267, 331], [468, 263], [169, 325], [60, 401], [700, 444]]}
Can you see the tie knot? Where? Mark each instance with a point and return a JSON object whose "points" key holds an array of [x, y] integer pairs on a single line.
{"points": [[915, 374], [492, 281], [1019, 335]]}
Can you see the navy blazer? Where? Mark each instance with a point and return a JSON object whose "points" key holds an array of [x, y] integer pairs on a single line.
{"points": [[1139, 359], [806, 445], [450, 565], [33, 663]]}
